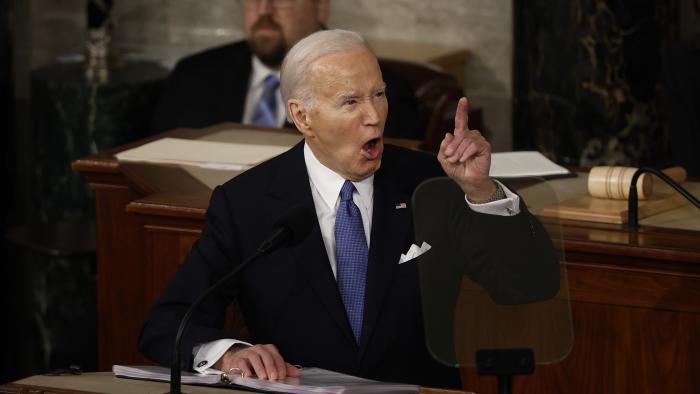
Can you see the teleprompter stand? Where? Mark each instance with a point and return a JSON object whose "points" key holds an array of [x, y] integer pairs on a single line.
{"points": [[494, 289], [505, 363]]}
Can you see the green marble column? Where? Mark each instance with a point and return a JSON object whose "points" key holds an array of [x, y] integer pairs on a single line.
{"points": [[74, 118], [589, 85]]}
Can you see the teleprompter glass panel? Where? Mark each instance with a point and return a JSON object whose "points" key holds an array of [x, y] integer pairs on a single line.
{"points": [[489, 281]]}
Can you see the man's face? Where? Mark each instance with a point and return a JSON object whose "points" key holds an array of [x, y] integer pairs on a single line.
{"points": [[272, 27], [348, 110]]}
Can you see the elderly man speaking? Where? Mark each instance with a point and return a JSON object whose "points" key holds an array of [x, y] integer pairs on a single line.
{"points": [[339, 300]]}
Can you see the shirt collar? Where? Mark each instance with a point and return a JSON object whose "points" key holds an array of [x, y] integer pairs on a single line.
{"points": [[260, 72], [328, 183]]}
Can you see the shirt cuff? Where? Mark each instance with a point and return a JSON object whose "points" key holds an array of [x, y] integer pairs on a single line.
{"points": [[509, 206], [208, 353]]}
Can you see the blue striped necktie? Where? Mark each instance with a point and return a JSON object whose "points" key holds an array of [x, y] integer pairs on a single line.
{"points": [[266, 108], [351, 258]]}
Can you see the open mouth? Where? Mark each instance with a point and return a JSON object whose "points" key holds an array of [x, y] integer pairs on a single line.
{"points": [[372, 148]]}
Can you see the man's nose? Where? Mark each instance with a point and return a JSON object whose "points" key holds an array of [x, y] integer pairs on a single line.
{"points": [[371, 112], [265, 7]]}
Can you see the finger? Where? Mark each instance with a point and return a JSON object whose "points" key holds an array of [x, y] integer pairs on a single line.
{"points": [[257, 363], [443, 145], [477, 146], [470, 152], [454, 143], [244, 365], [466, 142], [268, 362], [280, 370], [462, 115], [292, 370]]}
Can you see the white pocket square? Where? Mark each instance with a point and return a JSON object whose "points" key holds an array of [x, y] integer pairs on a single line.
{"points": [[413, 252]]}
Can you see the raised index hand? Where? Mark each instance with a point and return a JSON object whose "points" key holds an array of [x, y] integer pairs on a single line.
{"points": [[465, 156]]}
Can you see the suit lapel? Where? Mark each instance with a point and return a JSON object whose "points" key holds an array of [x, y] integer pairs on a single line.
{"points": [[389, 231], [292, 186]]}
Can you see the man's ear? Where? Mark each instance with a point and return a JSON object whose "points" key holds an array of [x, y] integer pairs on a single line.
{"points": [[299, 116]]}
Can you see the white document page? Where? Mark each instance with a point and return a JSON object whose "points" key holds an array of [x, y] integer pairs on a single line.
{"points": [[207, 154], [523, 164], [310, 381]]}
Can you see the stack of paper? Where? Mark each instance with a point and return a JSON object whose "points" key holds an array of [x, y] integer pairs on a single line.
{"points": [[524, 164], [311, 380], [207, 154], [150, 372]]}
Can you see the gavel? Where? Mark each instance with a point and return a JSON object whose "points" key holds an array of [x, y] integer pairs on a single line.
{"points": [[614, 182]]}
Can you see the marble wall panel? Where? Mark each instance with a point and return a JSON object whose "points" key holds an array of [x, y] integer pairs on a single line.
{"points": [[589, 80], [166, 30], [57, 29]]}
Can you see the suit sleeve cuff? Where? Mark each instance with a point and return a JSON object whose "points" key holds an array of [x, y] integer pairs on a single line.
{"points": [[509, 206], [208, 353]]}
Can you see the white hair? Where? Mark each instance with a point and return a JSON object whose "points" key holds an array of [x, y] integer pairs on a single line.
{"points": [[294, 75]]}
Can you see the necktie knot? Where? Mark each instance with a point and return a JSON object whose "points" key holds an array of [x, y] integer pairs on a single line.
{"points": [[346, 191], [271, 83], [266, 108]]}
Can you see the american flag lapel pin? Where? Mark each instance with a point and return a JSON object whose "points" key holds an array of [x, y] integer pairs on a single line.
{"points": [[401, 205]]}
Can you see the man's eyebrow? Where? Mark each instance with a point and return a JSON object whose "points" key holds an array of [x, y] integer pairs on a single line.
{"points": [[355, 95], [347, 95]]}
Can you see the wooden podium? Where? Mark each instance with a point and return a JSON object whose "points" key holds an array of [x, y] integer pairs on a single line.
{"points": [[107, 383], [635, 294]]}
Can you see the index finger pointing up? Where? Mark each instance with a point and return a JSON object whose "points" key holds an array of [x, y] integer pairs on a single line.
{"points": [[462, 115]]}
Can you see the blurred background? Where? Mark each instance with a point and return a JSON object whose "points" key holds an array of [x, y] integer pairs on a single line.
{"points": [[586, 82]]}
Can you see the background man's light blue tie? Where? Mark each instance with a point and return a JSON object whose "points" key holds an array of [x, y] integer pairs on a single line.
{"points": [[351, 258], [266, 108]]}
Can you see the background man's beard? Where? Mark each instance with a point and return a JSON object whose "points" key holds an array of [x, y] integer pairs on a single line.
{"points": [[269, 52], [270, 56]]}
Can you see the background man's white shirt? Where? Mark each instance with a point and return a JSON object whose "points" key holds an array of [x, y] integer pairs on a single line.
{"points": [[255, 90]]}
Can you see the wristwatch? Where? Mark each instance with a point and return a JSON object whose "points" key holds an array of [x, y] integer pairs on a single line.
{"points": [[499, 194]]}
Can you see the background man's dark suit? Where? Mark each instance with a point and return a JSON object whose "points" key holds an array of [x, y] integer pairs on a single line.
{"points": [[211, 87], [290, 297]]}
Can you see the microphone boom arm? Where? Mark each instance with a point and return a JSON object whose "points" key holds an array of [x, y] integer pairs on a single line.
{"points": [[175, 372], [291, 228], [632, 206]]}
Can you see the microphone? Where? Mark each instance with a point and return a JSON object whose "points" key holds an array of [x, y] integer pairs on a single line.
{"points": [[289, 229]]}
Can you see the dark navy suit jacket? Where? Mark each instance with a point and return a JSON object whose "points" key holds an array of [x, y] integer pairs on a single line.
{"points": [[290, 298]]}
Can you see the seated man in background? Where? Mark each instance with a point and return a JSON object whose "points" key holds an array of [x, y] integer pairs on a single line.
{"points": [[339, 300], [239, 82]]}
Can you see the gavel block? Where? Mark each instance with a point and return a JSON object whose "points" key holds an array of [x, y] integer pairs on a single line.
{"points": [[614, 182], [608, 189]]}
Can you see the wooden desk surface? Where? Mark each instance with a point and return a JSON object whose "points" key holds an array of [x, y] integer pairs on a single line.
{"points": [[635, 294], [107, 383], [99, 382]]}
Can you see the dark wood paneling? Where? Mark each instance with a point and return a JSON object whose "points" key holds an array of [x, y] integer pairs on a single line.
{"points": [[121, 277], [617, 349], [167, 248]]}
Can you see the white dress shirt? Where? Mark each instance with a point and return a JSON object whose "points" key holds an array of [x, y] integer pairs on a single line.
{"points": [[325, 190], [256, 87]]}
